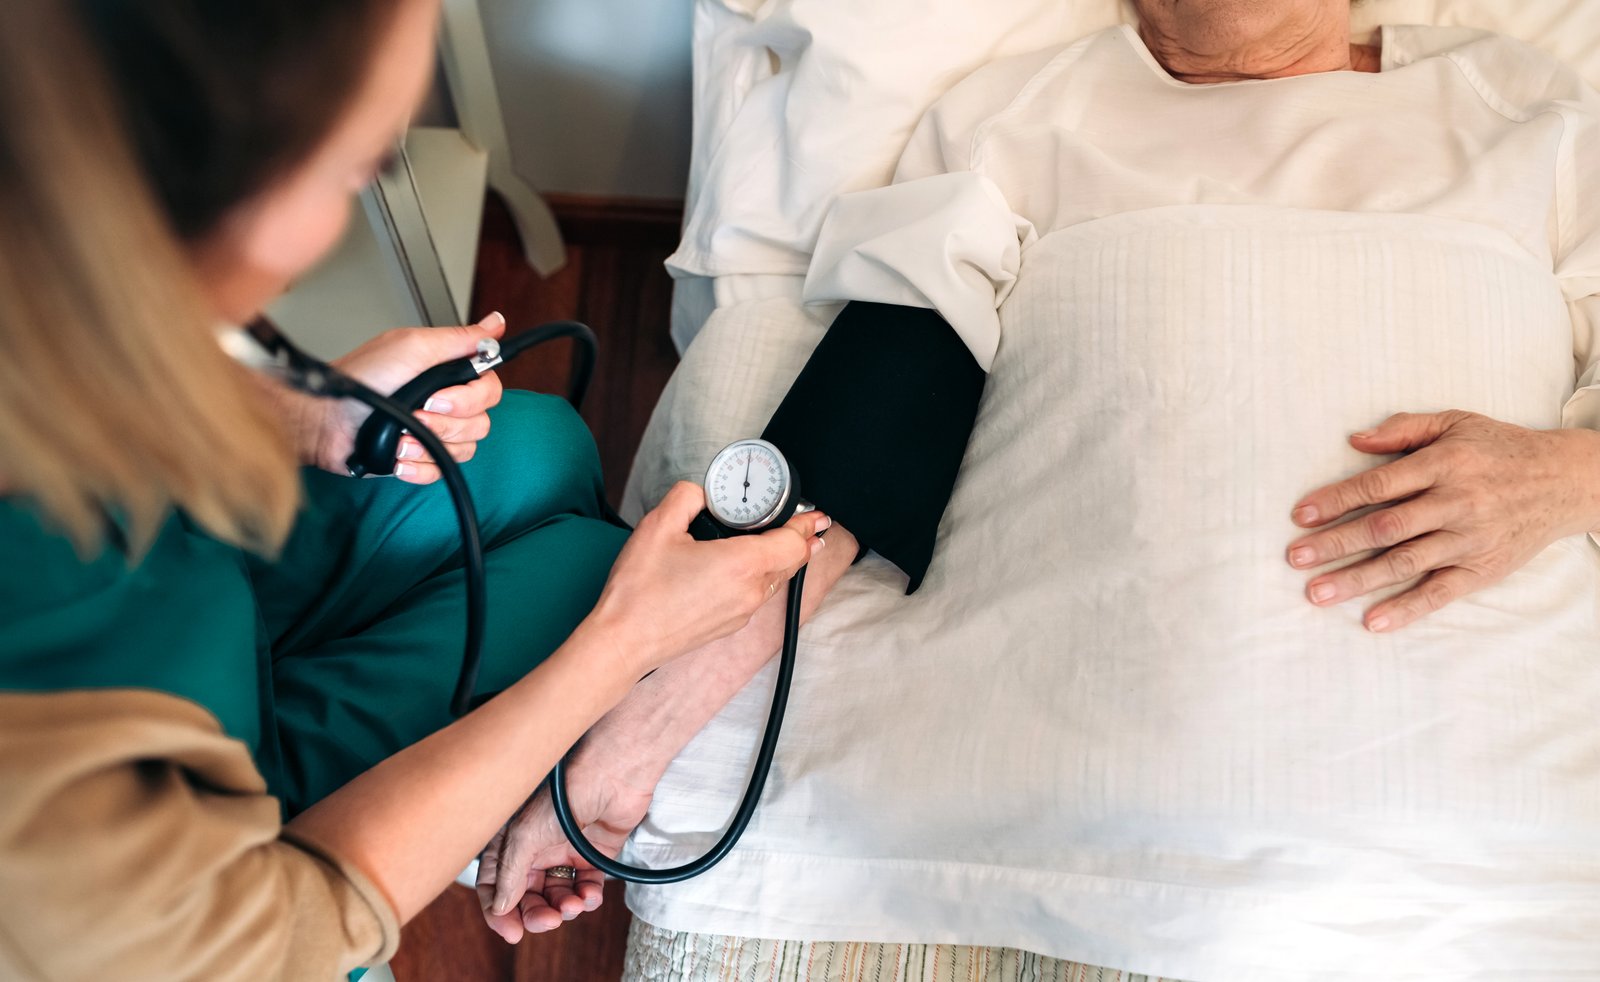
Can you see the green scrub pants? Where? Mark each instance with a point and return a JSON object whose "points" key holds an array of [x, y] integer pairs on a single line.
{"points": [[363, 612]]}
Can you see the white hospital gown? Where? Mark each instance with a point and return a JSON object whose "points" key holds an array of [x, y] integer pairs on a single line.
{"points": [[1110, 728]]}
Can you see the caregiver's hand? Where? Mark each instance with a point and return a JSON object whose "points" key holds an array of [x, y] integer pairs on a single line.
{"points": [[669, 594], [459, 415], [1474, 502], [613, 772]]}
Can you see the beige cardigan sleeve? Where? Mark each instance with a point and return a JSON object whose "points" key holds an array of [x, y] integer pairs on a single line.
{"points": [[137, 841]]}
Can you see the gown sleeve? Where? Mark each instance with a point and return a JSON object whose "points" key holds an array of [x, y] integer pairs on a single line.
{"points": [[942, 237], [1578, 249], [138, 841]]}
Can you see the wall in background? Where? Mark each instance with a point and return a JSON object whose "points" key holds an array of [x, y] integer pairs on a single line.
{"points": [[596, 93]]}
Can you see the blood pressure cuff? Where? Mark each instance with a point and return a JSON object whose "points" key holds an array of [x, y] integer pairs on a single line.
{"points": [[876, 424]]}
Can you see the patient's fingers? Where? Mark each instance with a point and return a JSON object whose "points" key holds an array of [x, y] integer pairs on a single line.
{"points": [[557, 893], [1438, 589], [536, 914], [1389, 482], [524, 834], [508, 925], [1397, 565], [554, 902], [1375, 530]]}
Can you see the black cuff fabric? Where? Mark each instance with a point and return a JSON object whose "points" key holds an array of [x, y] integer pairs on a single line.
{"points": [[876, 424]]}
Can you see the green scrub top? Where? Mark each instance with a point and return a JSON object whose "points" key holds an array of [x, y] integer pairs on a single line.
{"points": [[345, 648]]}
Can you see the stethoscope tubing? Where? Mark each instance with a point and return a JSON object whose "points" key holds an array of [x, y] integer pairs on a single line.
{"points": [[752, 795]]}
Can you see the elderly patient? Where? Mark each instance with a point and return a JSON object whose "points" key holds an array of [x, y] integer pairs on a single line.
{"points": [[1264, 636]]}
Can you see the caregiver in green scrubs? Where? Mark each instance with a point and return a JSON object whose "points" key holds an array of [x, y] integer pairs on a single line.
{"points": [[224, 743]]}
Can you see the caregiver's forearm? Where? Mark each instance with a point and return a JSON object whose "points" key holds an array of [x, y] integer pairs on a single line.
{"points": [[414, 821], [638, 739]]}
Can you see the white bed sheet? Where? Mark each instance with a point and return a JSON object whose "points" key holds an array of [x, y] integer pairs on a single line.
{"points": [[1024, 754], [756, 338]]}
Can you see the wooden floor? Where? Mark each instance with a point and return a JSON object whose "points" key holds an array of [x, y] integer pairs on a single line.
{"points": [[614, 282]]}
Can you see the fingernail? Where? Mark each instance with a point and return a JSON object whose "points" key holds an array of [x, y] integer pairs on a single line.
{"points": [[818, 544], [592, 903], [568, 915], [408, 450], [1305, 514], [1379, 623], [493, 320], [434, 405], [824, 524], [1302, 556], [501, 906], [404, 470], [1322, 592], [1364, 434]]}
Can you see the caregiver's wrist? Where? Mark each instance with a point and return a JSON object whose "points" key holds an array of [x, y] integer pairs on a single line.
{"points": [[623, 646], [302, 416]]}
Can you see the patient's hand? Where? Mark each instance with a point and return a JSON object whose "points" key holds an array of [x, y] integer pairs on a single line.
{"points": [[607, 801], [1476, 500], [614, 771]]}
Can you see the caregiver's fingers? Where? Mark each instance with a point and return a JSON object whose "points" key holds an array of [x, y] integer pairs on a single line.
{"points": [[478, 396], [417, 471], [1388, 482], [681, 504], [790, 546], [452, 429], [1404, 562], [808, 528], [1441, 587], [412, 449], [1375, 530]]}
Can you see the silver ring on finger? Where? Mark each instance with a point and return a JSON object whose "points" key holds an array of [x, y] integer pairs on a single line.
{"points": [[561, 873]]}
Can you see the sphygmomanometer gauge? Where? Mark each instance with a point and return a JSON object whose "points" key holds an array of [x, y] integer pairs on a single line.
{"points": [[749, 486]]}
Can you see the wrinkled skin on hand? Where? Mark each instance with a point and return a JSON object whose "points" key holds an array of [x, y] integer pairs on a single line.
{"points": [[607, 808], [1473, 500]]}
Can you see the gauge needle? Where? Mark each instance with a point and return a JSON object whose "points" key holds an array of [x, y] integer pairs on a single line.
{"points": [[746, 498]]}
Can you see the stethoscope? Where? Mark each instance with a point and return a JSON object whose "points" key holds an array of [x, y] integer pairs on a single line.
{"points": [[749, 488]]}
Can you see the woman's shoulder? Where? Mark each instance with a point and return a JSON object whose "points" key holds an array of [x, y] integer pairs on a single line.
{"points": [[1518, 78], [942, 140]]}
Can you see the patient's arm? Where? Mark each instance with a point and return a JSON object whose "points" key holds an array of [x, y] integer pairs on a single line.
{"points": [[613, 773], [876, 425]]}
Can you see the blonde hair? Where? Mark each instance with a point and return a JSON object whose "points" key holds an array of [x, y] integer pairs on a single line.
{"points": [[115, 398]]}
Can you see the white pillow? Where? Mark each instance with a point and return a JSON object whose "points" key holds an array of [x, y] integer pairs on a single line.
{"points": [[855, 76]]}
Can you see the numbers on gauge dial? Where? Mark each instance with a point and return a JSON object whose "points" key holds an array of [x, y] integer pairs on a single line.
{"points": [[746, 485]]}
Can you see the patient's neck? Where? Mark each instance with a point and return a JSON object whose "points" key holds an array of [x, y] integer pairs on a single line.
{"points": [[1204, 41]]}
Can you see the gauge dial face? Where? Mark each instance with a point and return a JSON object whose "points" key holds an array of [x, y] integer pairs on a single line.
{"points": [[748, 484]]}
